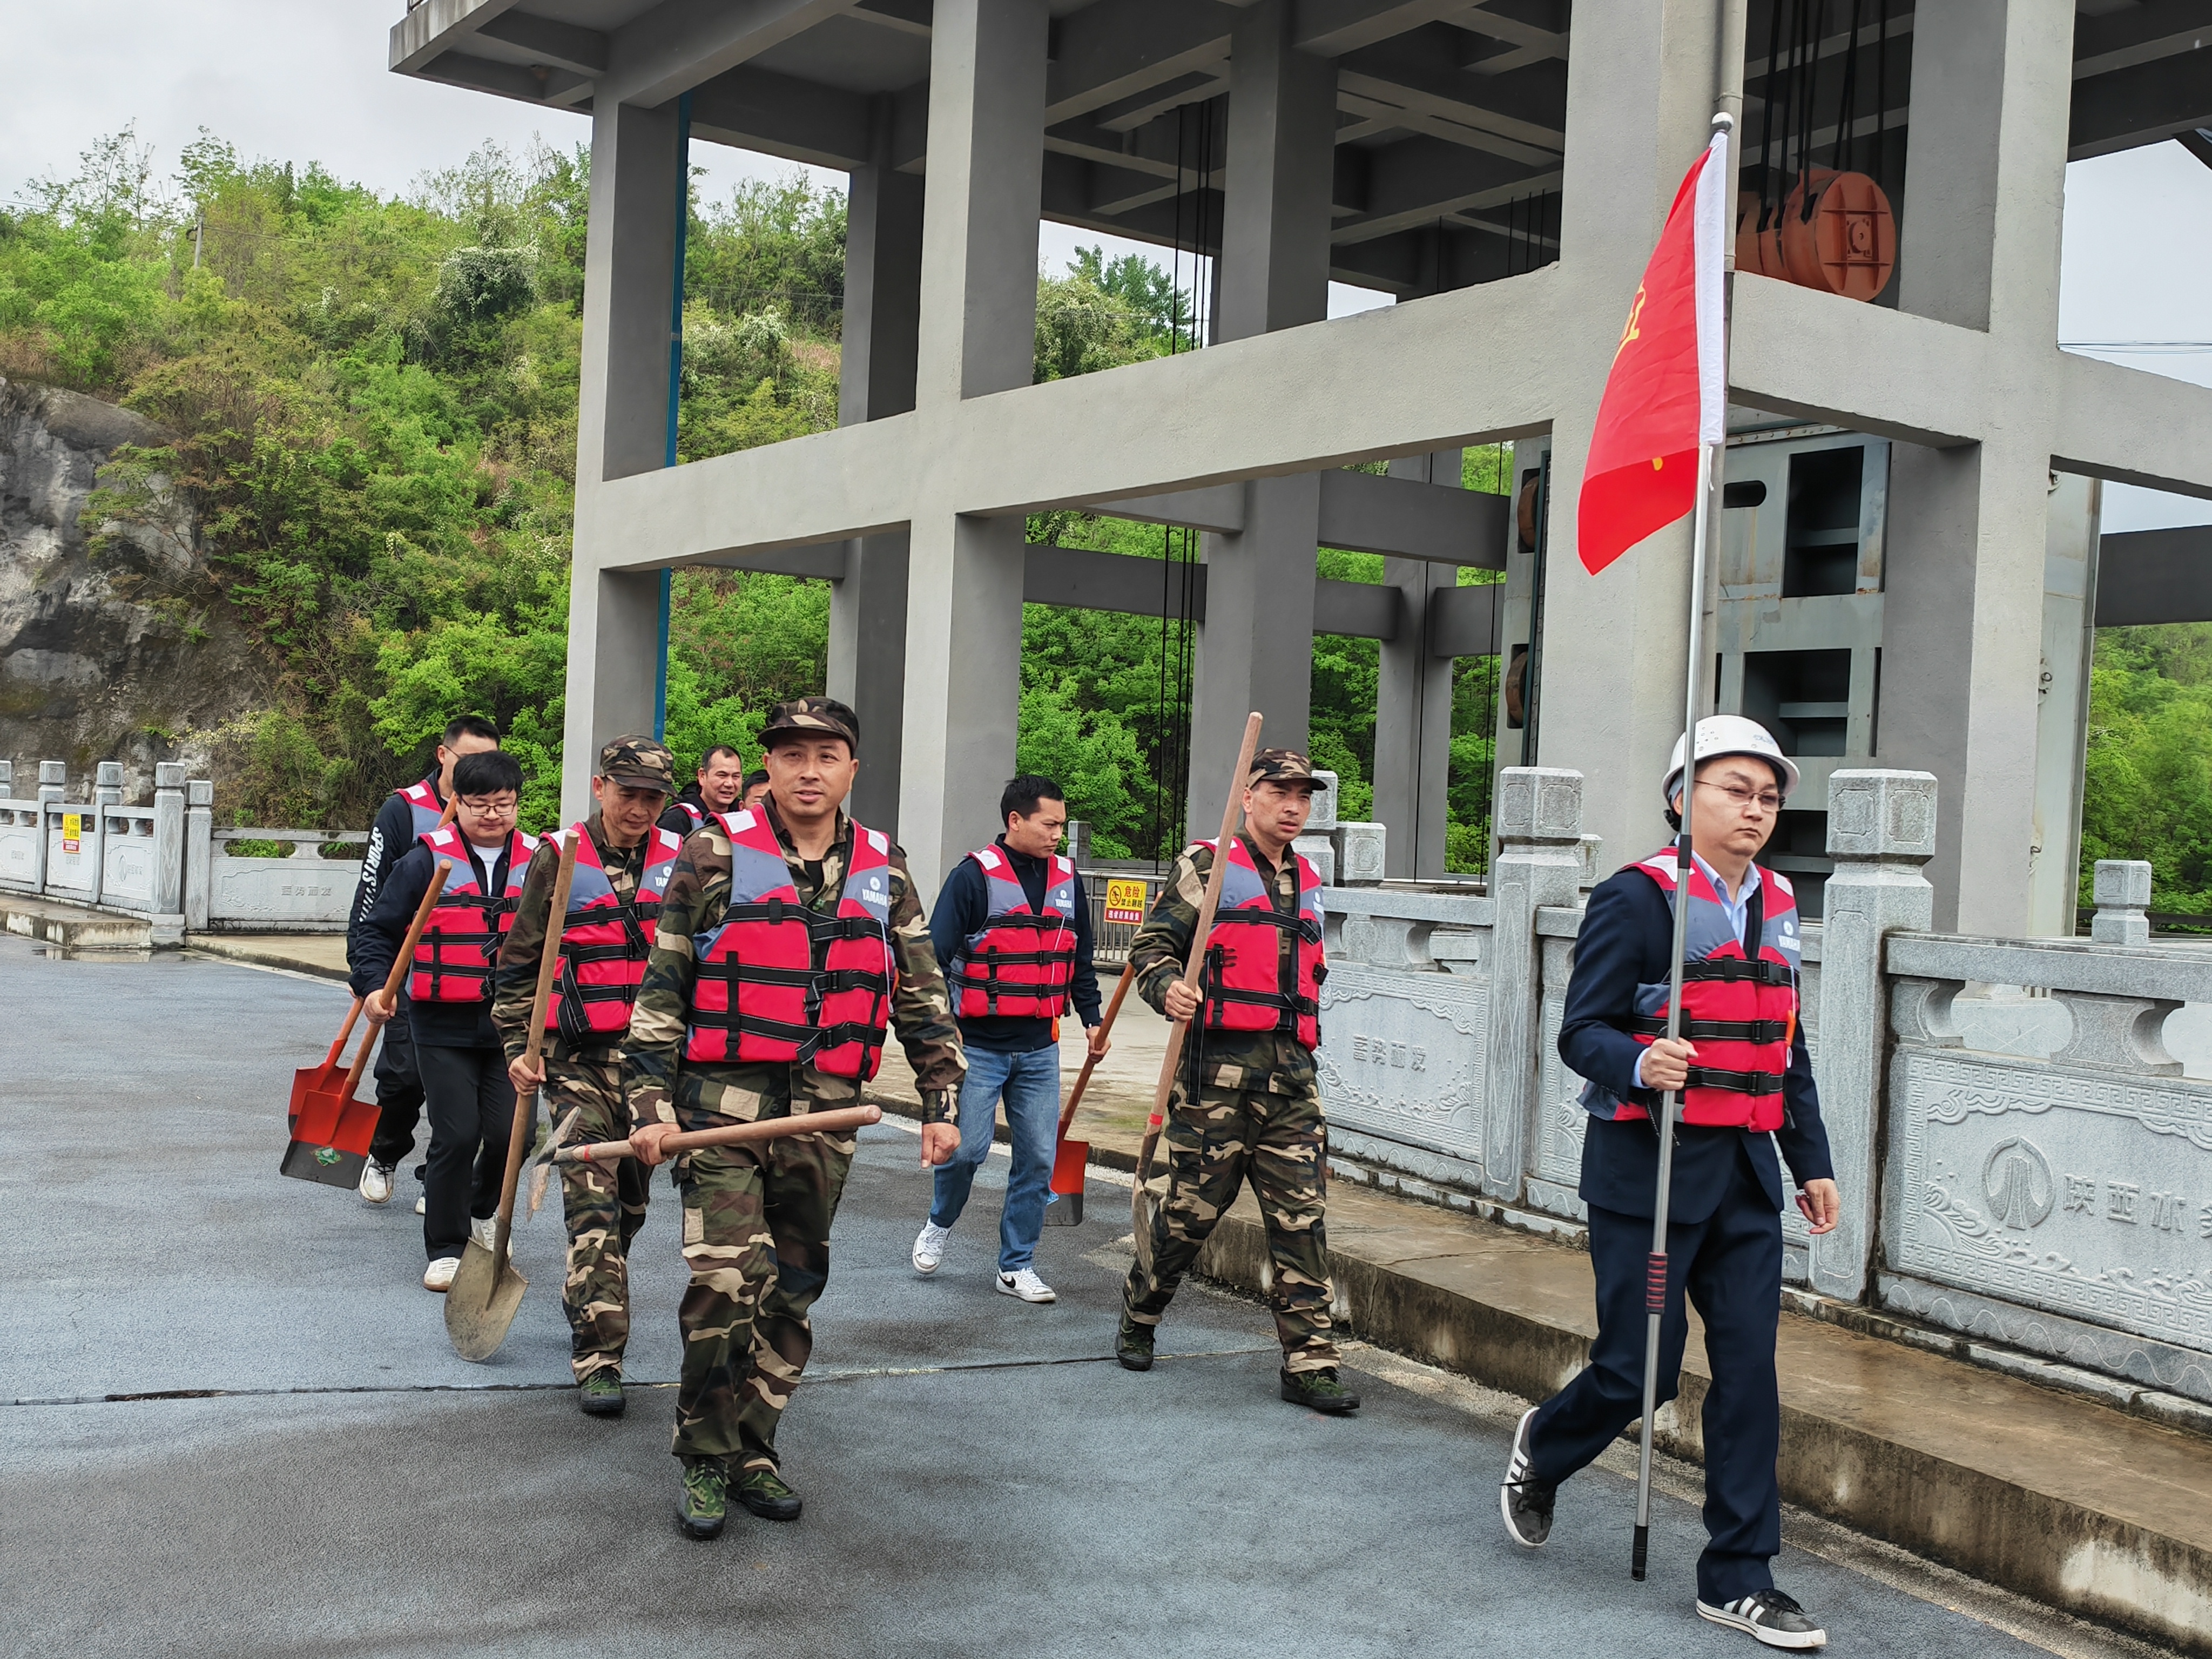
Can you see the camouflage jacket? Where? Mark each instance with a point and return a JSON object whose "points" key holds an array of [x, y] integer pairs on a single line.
{"points": [[654, 1072], [1231, 1060], [515, 986]]}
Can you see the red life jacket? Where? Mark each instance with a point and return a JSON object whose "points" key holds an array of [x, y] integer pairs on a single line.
{"points": [[1018, 964], [423, 804], [781, 983], [1739, 1009], [1247, 984], [695, 813], [605, 939], [453, 958]]}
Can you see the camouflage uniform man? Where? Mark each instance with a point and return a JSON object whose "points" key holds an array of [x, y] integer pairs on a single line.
{"points": [[756, 1219], [1247, 1105], [622, 866]]}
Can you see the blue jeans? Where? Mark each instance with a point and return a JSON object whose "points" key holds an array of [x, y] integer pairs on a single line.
{"points": [[1030, 1085]]}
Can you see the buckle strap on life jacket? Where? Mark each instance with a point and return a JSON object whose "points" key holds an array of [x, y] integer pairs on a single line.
{"points": [[825, 982], [1306, 926], [808, 1040], [1734, 1083], [1734, 969], [820, 925], [1715, 1030]]}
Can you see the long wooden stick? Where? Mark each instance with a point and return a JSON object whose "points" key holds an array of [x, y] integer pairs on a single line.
{"points": [[402, 962], [337, 1045], [736, 1134], [526, 1109], [1090, 1059], [1231, 815]]}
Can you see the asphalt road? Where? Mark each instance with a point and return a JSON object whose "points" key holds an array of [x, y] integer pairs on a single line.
{"points": [[980, 1477]]}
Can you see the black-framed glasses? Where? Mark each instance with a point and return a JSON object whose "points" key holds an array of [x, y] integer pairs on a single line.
{"points": [[1767, 800]]}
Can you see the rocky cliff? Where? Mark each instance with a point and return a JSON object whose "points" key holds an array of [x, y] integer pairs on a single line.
{"points": [[114, 644]]}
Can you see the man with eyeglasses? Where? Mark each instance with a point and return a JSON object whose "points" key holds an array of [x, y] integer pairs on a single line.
{"points": [[1746, 1085]]}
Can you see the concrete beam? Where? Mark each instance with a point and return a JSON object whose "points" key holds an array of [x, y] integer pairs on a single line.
{"points": [[1104, 53], [2154, 576], [1220, 508], [1330, 28], [1083, 580], [1463, 621], [831, 562], [1405, 519], [679, 45], [802, 120], [1871, 369], [2157, 86], [2130, 426], [435, 27], [561, 45]]}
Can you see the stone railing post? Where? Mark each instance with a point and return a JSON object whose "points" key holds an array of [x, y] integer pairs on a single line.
{"points": [[1881, 829], [2122, 889], [169, 841], [53, 779], [7, 779], [199, 851], [1538, 818], [107, 784]]}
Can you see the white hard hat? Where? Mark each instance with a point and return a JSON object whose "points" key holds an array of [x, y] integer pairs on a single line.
{"points": [[1731, 734]]}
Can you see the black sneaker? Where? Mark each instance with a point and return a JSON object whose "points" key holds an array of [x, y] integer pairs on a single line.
{"points": [[701, 1505], [1132, 1344], [600, 1394], [762, 1491], [1527, 1503], [1773, 1617], [1319, 1391]]}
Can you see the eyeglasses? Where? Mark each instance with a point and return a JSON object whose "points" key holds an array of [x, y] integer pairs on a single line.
{"points": [[1767, 800]]}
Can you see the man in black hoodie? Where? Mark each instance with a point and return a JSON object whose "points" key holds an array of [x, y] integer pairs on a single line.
{"points": [[1013, 929], [719, 779]]}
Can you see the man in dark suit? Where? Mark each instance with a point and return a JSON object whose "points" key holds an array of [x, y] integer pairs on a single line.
{"points": [[1745, 1086]]}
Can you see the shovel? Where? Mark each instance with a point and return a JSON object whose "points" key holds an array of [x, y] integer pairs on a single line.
{"points": [[1072, 1158], [486, 1289], [317, 1079], [1140, 1215], [737, 1134], [331, 1136]]}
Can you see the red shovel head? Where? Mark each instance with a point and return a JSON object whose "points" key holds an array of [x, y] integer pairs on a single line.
{"points": [[330, 1133], [1068, 1163]]}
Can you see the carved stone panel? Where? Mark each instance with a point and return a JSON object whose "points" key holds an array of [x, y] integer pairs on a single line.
{"points": [[1562, 1120], [1403, 1056], [2082, 1194], [292, 892], [19, 848]]}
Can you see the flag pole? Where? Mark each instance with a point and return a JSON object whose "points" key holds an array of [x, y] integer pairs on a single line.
{"points": [[1710, 467]]}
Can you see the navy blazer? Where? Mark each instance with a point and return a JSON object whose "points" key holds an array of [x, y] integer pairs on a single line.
{"points": [[1627, 936]]}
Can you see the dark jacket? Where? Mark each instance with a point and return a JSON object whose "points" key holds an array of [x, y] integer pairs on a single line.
{"points": [[1627, 936], [673, 818], [390, 838], [438, 1024], [963, 905]]}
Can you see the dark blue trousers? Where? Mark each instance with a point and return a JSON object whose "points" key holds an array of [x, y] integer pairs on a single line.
{"points": [[1731, 1264]]}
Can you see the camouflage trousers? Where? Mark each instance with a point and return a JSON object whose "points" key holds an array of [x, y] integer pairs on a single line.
{"points": [[757, 1238], [604, 1207], [1279, 1142]]}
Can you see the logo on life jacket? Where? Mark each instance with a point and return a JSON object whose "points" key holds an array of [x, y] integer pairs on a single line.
{"points": [[781, 983], [453, 958], [605, 939], [1020, 961], [1250, 983], [1739, 1007]]}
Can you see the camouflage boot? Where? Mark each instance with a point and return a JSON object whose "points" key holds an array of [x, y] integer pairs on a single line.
{"points": [[600, 1394], [764, 1493], [1132, 1344], [703, 1501], [1319, 1391]]}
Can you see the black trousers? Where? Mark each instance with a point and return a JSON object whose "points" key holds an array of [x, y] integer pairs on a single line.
{"points": [[471, 1107], [1731, 1264], [399, 1092]]}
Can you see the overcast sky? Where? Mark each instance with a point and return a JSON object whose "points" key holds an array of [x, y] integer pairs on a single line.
{"points": [[305, 80]]}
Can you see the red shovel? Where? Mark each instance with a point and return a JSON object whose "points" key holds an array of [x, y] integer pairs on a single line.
{"points": [[311, 1080], [331, 1136], [1071, 1158]]}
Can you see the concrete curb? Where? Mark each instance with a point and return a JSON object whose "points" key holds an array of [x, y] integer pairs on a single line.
{"points": [[262, 956]]}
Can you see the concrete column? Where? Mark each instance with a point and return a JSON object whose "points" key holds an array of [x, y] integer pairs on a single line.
{"points": [[169, 838], [2069, 636], [1963, 623], [1253, 650], [1539, 819], [1413, 703], [979, 253], [1881, 829], [199, 851], [1640, 91], [621, 429], [867, 609]]}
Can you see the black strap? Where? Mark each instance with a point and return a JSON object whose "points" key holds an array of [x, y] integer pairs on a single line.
{"points": [[808, 1040], [1736, 970], [1734, 1083], [1715, 1030]]}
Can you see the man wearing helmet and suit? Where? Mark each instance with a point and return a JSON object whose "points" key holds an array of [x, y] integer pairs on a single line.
{"points": [[1746, 1086]]}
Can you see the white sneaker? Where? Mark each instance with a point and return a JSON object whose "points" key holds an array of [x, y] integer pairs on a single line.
{"points": [[484, 1229], [422, 1207], [376, 1182], [929, 1247], [1027, 1285], [438, 1275]]}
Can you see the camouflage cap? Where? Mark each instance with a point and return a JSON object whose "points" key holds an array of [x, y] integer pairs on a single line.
{"points": [[1284, 767], [642, 762], [823, 714]]}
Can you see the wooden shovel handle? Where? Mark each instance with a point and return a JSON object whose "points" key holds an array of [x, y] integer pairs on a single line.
{"points": [[404, 960], [738, 1134], [1090, 1061], [338, 1044], [526, 1106]]}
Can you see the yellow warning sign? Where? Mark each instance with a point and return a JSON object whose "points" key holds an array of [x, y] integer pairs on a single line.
{"points": [[72, 831], [1125, 901]]}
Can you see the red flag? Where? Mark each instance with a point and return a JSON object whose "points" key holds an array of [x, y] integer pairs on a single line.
{"points": [[1668, 390]]}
